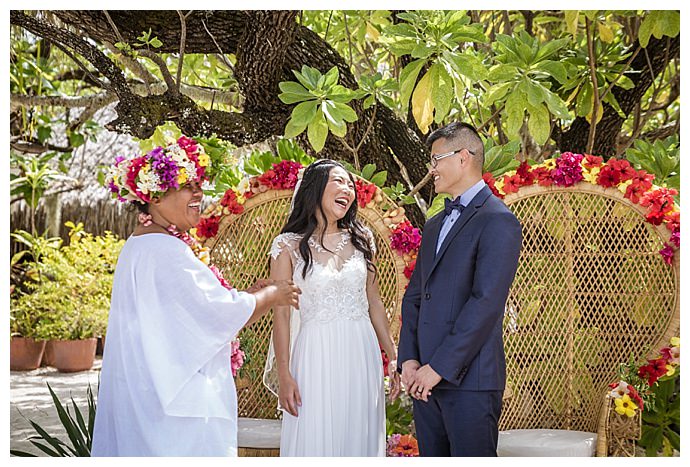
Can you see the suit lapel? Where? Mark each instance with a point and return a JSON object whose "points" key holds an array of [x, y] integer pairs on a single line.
{"points": [[431, 233], [467, 214]]}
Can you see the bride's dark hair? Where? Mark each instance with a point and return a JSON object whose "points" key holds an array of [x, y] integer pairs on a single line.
{"points": [[305, 215]]}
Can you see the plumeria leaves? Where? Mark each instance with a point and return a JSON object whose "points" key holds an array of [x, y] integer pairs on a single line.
{"points": [[499, 159], [322, 105], [659, 23]]}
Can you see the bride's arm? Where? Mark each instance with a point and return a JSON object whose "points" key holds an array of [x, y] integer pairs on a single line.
{"points": [[281, 269], [377, 314]]}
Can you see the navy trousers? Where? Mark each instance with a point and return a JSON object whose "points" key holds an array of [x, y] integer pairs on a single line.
{"points": [[458, 423]]}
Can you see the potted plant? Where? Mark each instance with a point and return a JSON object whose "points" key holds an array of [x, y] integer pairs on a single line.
{"points": [[73, 297], [27, 347]]}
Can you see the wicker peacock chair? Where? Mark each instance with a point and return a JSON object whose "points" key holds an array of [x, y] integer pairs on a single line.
{"points": [[241, 251], [591, 291]]}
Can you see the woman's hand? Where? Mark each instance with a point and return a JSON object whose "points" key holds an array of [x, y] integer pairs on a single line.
{"points": [[288, 395], [259, 284]]}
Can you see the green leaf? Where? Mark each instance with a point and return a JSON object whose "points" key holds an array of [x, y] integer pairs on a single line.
{"points": [[500, 72], [539, 123], [441, 91], [43, 133], [331, 78], [303, 113], [368, 171], [408, 79], [317, 131], [515, 111], [345, 112], [379, 179], [497, 92], [555, 69], [467, 64], [571, 20], [292, 130], [293, 92]]}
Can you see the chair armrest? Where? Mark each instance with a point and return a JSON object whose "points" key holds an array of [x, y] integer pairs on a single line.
{"points": [[617, 434]]}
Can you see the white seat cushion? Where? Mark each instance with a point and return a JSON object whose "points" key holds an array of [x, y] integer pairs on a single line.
{"points": [[258, 433], [546, 443]]}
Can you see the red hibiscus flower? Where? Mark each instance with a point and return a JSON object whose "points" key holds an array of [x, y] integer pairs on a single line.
{"points": [[491, 183], [525, 174], [592, 161], [365, 192], [208, 226], [229, 200], [608, 176], [511, 184], [654, 370], [410, 268], [543, 176]]}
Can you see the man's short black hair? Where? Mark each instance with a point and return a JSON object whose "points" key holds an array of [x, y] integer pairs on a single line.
{"points": [[462, 132]]}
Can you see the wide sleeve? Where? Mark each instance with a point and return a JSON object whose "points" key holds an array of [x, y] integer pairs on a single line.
{"points": [[186, 319]]}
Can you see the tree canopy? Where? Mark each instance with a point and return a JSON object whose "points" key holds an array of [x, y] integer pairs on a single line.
{"points": [[361, 86]]}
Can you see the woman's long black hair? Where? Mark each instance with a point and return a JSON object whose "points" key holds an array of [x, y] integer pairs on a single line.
{"points": [[304, 217]]}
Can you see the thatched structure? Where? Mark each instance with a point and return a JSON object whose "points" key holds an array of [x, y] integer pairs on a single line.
{"points": [[83, 200]]}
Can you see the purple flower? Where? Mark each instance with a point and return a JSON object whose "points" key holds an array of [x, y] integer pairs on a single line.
{"points": [[675, 238], [165, 167], [667, 253], [568, 170]]}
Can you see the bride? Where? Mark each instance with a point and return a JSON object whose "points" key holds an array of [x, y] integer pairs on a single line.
{"points": [[327, 355]]}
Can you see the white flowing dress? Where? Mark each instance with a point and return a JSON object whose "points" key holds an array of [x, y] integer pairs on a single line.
{"points": [[335, 357], [166, 388]]}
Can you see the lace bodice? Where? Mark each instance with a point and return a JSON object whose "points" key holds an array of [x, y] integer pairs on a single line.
{"points": [[335, 287]]}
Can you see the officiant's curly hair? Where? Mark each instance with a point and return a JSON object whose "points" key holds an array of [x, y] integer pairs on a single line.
{"points": [[303, 219]]}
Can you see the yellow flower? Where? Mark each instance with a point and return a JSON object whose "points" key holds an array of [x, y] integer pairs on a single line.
{"points": [[204, 255], [670, 370], [624, 186], [499, 186], [193, 233], [203, 160], [675, 341], [144, 169], [238, 195], [182, 176], [591, 175], [550, 164], [625, 406]]}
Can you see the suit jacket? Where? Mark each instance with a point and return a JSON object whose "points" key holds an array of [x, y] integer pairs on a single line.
{"points": [[452, 311]]}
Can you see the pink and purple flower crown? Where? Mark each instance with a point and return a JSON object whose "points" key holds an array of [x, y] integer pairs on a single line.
{"points": [[143, 178]]}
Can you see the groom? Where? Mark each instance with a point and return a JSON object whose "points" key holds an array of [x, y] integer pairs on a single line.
{"points": [[451, 339]]}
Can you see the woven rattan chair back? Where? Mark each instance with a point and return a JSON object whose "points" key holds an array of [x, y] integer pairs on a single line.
{"points": [[241, 251], [591, 291]]}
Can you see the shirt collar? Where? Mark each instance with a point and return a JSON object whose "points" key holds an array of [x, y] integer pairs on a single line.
{"points": [[471, 192]]}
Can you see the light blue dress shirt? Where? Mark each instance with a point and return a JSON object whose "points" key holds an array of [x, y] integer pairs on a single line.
{"points": [[450, 219]]}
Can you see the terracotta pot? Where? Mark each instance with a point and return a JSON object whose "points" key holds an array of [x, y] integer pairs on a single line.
{"points": [[25, 353], [72, 356], [48, 355]]}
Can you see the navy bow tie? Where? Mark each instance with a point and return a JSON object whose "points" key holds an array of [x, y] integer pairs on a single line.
{"points": [[454, 204]]}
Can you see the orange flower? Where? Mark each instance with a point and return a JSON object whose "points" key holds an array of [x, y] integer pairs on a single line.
{"points": [[407, 446]]}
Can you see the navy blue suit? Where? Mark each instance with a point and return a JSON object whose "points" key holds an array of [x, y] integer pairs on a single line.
{"points": [[452, 315]]}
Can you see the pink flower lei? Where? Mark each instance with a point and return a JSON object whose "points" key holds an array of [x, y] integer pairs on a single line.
{"points": [[201, 252]]}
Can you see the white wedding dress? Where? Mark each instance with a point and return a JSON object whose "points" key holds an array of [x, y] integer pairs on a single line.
{"points": [[335, 356]]}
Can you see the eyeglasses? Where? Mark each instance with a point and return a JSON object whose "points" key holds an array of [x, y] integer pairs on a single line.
{"points": [[438, 157]]}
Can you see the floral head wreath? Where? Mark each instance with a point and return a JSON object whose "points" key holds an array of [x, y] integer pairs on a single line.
{"points": [[143, 178]]}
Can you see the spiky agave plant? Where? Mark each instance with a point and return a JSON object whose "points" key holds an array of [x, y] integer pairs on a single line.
{"points": [[79, 431]]}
